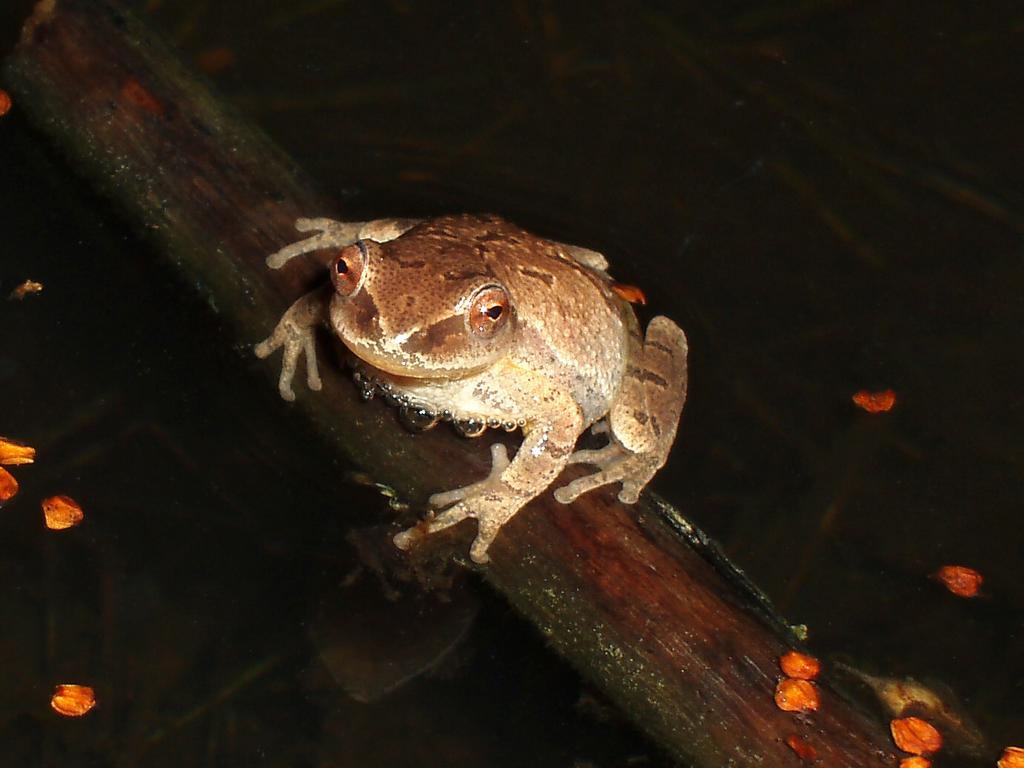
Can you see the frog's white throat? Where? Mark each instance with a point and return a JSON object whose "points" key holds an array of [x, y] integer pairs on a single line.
{"points": [[415, 412]]}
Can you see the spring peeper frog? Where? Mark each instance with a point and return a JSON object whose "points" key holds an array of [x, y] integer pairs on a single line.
{"points": [[476, 321]]}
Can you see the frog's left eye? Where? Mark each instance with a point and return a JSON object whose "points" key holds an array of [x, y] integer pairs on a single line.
{"points": [[347, 268], [489, 311]]}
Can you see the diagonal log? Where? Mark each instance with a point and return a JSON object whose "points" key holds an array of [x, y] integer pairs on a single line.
{"points": [[633, 597]]}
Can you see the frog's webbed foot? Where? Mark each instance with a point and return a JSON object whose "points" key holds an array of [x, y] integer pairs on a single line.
{"points": [[615, 464], [294, 334], [487, 500], [499, 461]]}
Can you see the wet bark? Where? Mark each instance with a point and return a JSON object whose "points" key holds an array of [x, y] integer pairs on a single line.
{"points": [[632, 596]]}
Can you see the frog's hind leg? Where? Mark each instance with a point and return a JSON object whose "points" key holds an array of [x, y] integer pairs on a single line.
{"points": [[642, 420]]}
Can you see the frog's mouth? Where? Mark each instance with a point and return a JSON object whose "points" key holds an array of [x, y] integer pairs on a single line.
{"points": [[395, 361], [415, 416]]}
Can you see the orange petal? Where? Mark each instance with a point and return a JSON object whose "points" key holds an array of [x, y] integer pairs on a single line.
{"points": [[8, 485], [630, 293], [61, 512], [1013, 757], [72, 700], [916, 736], [801, 747], [13, 452], [23, 290], [799, 665], [5, 102], [917, 761], [959, 579], [796, 696], [875, 402]]}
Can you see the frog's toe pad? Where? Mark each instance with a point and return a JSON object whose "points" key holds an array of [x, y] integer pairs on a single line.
{"points": [[265, 348], [405, 539], [630, 492]]}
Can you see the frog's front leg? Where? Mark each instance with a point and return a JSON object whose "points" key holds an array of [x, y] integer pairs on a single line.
{"points": [[338, 234], [295, 334], [494, 500], [295, 330], [642, 419]]}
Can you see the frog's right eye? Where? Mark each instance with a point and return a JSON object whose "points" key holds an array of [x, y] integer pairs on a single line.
{"points": [[347, 268], [488, 311]]}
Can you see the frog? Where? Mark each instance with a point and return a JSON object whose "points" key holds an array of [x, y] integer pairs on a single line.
{"points": [[471, 319]]}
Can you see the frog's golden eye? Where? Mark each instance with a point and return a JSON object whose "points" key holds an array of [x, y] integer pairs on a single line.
{"points": [[347, 268], [488, 311]]}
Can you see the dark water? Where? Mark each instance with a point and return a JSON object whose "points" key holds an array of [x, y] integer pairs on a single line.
{"points": [[827, 197]]}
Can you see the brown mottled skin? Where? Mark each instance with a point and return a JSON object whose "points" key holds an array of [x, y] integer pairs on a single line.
{"points": [[475, 318]]}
